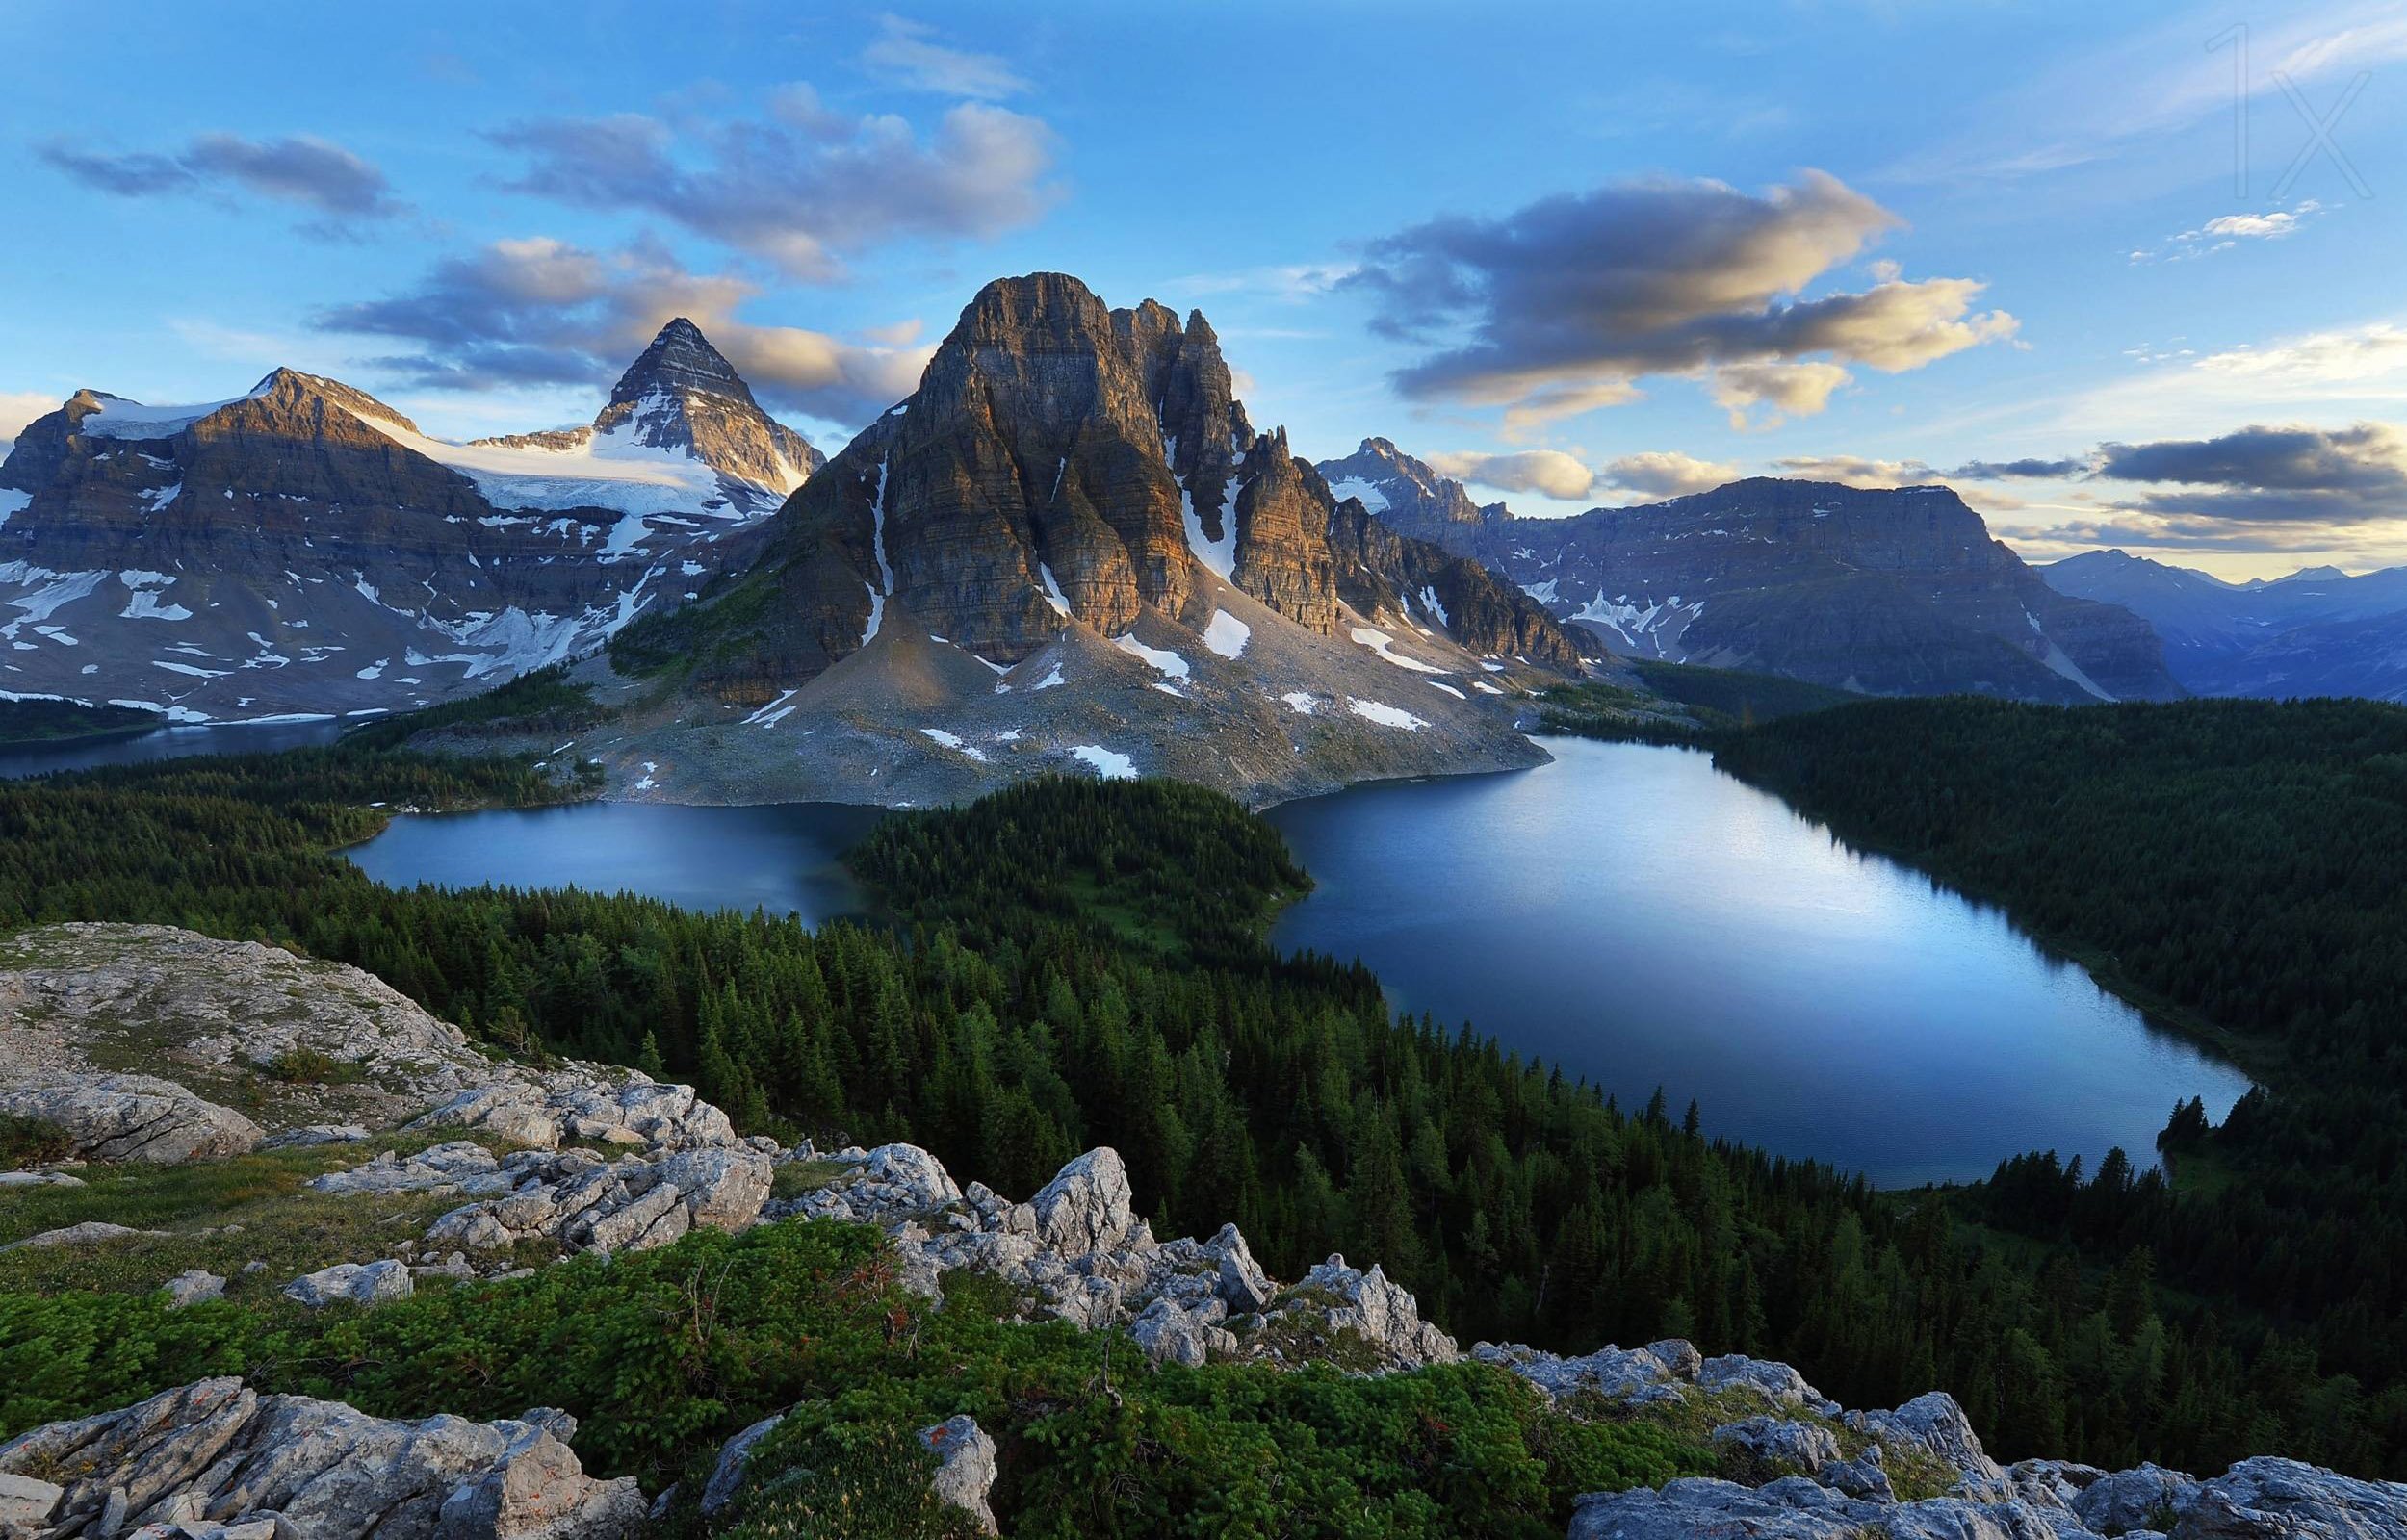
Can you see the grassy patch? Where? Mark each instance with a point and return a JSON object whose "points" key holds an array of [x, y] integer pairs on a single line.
{"points": [[794, 1179], [301, 1065], [218, 1216]]}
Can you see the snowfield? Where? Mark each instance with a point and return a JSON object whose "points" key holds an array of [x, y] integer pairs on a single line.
{"points": [[1386, 716], [1110, 766], [1168, 663], [1226, 634], [1379, 642]]}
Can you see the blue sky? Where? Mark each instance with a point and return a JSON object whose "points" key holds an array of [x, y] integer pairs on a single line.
{"points": [[1575, 256]]}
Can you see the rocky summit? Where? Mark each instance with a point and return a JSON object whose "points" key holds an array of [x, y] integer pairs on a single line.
{"points": [[303, 549], [1070, 549]]}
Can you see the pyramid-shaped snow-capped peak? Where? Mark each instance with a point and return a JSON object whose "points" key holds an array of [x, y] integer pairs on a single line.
{"points": [[682, 362], [684, 394]]}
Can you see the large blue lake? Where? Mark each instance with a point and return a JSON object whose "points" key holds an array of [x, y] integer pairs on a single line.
{"points": [[1628, 913], [1641, 919]]}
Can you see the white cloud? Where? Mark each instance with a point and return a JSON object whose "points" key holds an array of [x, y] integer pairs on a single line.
{"points": [[2226, 231], [802, 187], [1665, 473], [20, 407], [1798, 390], [1550, 472], [1564, 304], [904, 54], [1856, 471], [541, 311]]}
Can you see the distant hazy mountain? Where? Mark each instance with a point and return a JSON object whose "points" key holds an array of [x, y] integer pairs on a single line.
{"points": [[1888, 592], [1069, 546], [1407, 496], [2317, 631], [303, 549]]}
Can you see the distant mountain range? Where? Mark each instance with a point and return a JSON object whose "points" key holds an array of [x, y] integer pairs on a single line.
{"points": [[2319, 631], [1886, 592], [303, 549], [1069, 548]]}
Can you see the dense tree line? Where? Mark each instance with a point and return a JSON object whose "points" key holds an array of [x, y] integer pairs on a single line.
{"points": [[1071, 964], [2242, 866]]}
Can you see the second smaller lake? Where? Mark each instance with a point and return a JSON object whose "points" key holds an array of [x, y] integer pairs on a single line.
{"points": [[781, 858]]}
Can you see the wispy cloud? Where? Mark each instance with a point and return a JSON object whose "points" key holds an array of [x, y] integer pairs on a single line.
{"points": [[904, 52], [18, 408], [312, 173], [2229, 230], [800, 187], [2102, 100], [1550, 472]]}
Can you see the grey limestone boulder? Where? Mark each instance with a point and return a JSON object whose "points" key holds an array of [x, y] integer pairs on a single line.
{"points": [[134, 1118]]}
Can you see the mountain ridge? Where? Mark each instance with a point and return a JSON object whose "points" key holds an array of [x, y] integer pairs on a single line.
{"points": [[304, 549], [2316, 631], [1881, 591]]}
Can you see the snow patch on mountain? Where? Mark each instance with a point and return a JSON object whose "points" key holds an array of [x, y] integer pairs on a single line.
{"points": [[1168, 663], [1368, 492], [1386, 715], [1108, 763], [1226, 634], [1379, 642]]}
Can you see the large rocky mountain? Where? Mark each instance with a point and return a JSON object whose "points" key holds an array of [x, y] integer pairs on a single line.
{"points": [[303, 549], [1074, 497], [1887, 592], [2319, 631]]}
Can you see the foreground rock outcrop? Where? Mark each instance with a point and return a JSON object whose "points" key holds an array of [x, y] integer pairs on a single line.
{"points": [[133, 1117], [214, 1459], [1079, 1249], [2263, 1498], [322, 1052], [610, 1161]]}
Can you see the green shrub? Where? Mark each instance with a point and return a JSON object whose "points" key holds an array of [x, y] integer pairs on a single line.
{"points": [[26, 1142], [303, 1065]]}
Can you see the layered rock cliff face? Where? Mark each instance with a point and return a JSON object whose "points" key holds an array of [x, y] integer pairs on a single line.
{"points": [[1888, 592], [304, 549], [1381, 571], [1060, 461], [1074, 502]]}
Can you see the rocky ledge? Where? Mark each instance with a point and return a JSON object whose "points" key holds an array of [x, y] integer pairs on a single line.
{"points": [[215, 1461]]}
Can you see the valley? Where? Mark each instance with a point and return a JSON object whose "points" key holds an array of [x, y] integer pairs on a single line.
{"points": [[1625, 914]]}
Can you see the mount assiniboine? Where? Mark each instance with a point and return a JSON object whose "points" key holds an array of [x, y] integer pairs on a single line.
{"points": [[1069, 548], [304, 550]]}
